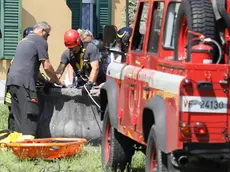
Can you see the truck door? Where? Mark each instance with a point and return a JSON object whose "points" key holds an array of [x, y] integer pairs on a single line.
{"points": [[136, 62], [126, 94], [152, 46]]}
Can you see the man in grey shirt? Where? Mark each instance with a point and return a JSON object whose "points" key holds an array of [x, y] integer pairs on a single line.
{"points": [[83, 57], [31, 52]]}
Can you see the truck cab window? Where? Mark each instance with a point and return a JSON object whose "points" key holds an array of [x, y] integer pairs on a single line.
{"points": [[168, 41], [155, 29], [140, 29]]}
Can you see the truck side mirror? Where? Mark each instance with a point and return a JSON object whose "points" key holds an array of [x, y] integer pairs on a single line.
{"points": [[0, 34], [109, 34]]}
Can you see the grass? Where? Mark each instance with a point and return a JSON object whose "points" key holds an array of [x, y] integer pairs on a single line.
{"points": [[79, 162], [87, 161], [3, 116]]}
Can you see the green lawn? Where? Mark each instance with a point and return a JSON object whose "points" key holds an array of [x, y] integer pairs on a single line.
{"points": [[3, 116], [87, 161]]}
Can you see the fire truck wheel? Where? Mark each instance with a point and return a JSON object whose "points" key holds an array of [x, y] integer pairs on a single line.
{"points": [[196, 16], [155, 159], [117, 150]]}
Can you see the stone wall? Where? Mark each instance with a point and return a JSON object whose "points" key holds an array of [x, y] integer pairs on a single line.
{"points": [[66, 113]]}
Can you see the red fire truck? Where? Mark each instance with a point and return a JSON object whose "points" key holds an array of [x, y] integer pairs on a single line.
{"points": [[169, 94]]}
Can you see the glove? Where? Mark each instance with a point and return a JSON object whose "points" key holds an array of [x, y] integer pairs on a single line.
{"points": [[87, 86]]}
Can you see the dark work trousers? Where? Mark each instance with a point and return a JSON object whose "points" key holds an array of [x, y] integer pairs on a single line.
{"points": [[25, 109], [11, 121]]}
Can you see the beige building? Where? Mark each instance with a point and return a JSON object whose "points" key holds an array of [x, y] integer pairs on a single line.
{"points": [[57, 13]]}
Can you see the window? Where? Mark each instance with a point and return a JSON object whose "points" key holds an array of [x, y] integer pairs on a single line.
{"points": [[155, 29], [170, 25], [104, 14], [76, 9], [10, 25], [140, 29], [90, 14]]}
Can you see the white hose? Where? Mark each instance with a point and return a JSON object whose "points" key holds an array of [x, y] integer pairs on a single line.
{"points": [[218, 46]]}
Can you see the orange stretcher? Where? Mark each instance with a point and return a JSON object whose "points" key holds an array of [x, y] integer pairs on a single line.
{"points": [[47, 148]]}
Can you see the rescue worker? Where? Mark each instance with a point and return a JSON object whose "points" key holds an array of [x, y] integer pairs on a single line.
{"points": [[31, 52], [7, 99], [83, 57], [122, 42], [27, 31], [123, 36], [86, 36]]}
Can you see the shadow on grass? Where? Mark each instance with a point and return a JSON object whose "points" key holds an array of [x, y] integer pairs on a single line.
{"points": [[137, 170]]}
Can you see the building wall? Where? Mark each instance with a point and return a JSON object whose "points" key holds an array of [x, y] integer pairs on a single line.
{"points": [[58, 15], [118, 14]]}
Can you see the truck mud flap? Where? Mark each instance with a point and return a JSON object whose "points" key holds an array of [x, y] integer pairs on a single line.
{"points": [[109, 88], [157, 106]]}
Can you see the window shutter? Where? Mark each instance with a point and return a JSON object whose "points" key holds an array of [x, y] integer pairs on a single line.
{"points": [[10, 26], [76, 8], [104, 13]]}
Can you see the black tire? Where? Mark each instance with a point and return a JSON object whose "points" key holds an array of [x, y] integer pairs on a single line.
{"points": [[159, 156], [200, 18], [163, 161], [121, 148]]}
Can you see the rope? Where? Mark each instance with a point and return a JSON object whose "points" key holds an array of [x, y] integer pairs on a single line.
{"points": [[91, 97]]}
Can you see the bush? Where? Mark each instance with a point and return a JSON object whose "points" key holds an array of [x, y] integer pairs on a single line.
{"points": [[132, 12]]}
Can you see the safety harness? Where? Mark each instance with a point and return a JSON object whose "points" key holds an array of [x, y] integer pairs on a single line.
{"points": [[83, 65]]}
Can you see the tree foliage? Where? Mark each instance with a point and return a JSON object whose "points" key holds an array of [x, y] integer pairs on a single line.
{"points": [[132, 12]]}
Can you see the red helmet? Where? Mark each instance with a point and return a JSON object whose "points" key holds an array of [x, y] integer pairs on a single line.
{"points": [[72, 38]]}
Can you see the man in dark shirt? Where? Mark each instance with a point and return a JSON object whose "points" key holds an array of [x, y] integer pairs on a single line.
{"points": [[83, 57], [30, 53], [7, 98]]}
